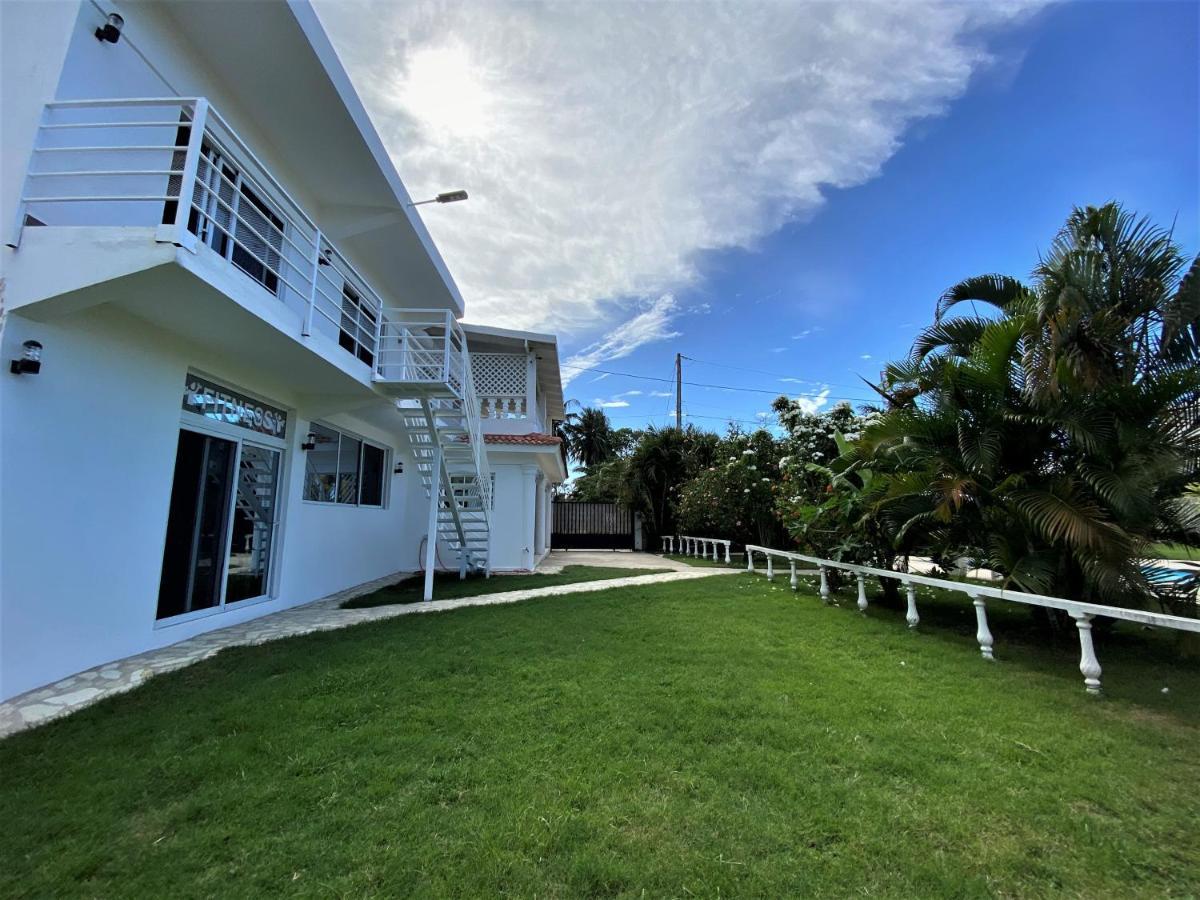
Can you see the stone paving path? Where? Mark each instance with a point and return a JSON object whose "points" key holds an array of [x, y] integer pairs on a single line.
{"points": [[80, 690]]}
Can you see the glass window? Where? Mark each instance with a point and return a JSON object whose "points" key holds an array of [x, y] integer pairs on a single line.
{"points": [[321, 465], [343, 469], [348, 462], [371, 489]]}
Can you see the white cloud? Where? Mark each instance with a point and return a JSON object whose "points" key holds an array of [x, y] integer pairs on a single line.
{"points": [[606, 145], [805, 333], [662, 393], [812, 405], [865, 356], [611, 404], [778, 349], [653, 323]]}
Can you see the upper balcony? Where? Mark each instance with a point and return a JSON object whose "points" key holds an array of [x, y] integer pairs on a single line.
{"points": [[172, 173]]}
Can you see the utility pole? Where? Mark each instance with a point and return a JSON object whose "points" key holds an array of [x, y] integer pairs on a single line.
{"points": [[679, 391]]}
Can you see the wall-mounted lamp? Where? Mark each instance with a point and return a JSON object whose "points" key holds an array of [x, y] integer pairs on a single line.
{"points": [[448, 197], [310, 441], [398, 468], [30, 362], [110, 31]]}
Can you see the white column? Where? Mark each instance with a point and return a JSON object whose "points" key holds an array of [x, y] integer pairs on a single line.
{"points": [[671, 543], [529, 475], [749, 560], [435, 501], [727, 559], [795, 582], [715, 548], [983, 634], [824, 585], [862, 593], [1089, 666], [770, 567], [912, 618], [539, 515]]}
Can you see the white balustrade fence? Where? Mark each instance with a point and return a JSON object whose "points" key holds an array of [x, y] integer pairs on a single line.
{"points": [[1082, 613], [705, 548]]}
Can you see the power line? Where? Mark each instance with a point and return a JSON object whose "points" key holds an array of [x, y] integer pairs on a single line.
{"points": [[778, 375], [774, 392]]}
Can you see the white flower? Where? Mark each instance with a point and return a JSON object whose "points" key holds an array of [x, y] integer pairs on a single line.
{"points": [[754, 468], [747, 453], [746, 491]]}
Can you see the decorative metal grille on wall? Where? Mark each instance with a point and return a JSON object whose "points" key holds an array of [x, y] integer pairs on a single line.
{"points": [[498, 374]]}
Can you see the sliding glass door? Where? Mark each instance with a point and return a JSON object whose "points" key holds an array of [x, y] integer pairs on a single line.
{"points": [[221, 524], [194, 558], [253, 523]]}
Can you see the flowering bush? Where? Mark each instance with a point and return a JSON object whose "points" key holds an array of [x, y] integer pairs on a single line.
{"points": [[733, 498]]}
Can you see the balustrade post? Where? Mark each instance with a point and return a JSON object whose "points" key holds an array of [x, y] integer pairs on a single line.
{"points": [[983, 634], [862, 593], [187, 178], [912, 618], [715, 548], [824, 585], [795, 582], [671, 543], [770, 567], [728, 561], [749, 560], [311, 306], [1089, 665]]}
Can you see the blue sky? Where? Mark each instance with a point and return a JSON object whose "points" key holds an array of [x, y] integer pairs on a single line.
{"points": [[770, 188]]}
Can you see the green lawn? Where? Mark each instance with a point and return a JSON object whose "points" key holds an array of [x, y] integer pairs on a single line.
{"points": [[715, 737], [448, 585], [707, 561]]}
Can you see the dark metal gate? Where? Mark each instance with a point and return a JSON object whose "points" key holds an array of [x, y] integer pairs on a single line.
{"points": [[591, 526]]}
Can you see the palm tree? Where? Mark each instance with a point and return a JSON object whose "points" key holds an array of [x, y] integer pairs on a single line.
{"points": [[589, 436], [1053, 439]]}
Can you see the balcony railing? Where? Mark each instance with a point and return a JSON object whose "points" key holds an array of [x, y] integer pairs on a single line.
{"points": [[175, 165]]}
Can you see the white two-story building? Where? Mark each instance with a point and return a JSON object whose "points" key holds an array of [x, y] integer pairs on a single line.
{"points": [[234, 376]]}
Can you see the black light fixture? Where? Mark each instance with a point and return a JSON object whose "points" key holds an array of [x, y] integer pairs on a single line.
{"points": [[310, 441], [110, 31], [447, 197], [30, 362]]}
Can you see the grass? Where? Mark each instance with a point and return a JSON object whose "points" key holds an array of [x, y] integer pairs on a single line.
{"points": [[716, 737], [1174, 551], [449, 585], [704, 561]]}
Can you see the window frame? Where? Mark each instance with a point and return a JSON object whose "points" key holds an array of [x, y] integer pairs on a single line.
{"points": [[363, 443]]}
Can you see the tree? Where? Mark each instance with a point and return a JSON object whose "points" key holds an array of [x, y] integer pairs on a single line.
{"points": [[589, 436], [1052, 439], [734, 497]]}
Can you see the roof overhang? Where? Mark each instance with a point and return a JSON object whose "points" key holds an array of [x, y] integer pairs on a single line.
{"points": [[485, 338], [546, 456], [285, 82]]}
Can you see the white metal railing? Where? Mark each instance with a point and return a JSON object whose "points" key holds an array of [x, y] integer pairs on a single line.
{"points": [[696, 546], [475, 435], [174, 164], [1082, 613]]}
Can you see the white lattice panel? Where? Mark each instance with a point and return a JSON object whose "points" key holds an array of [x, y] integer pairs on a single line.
{"points": [[499, 374]]}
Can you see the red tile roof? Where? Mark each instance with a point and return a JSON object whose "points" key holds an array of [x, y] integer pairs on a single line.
{"points": [[534, 439]]}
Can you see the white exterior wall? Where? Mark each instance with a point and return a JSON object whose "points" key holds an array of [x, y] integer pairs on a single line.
{"points": [[512, 531], [87, 450]]}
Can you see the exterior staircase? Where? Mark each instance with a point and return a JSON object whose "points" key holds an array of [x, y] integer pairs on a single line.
{"points": [[440, 435], [422, 361]]}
